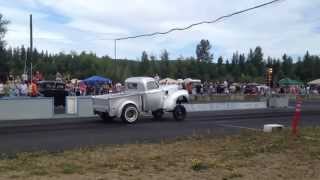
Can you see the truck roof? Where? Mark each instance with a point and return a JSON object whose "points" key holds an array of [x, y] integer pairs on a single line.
{"points": [[140, 79]]}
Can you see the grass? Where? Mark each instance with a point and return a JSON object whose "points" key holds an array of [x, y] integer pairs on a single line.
{"points": [[250, 155]]}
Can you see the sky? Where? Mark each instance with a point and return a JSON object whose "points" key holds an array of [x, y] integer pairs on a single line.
{"points": [[289, 26]]}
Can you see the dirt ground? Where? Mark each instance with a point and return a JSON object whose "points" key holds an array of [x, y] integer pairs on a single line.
{"points": [[250, 155]]}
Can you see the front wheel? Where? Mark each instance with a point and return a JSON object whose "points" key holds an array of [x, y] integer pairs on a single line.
{"points": [[179, 113], [130, 114]]}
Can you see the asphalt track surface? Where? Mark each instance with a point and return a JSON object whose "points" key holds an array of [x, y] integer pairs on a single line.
{"points": [[63, 134]]}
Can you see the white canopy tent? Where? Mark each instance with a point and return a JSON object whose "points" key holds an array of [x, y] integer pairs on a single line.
{"points": [[168, 81], [189, 80], [180, 81], [314, 82]]}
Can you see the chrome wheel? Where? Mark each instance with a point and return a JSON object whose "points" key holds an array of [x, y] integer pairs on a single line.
{"points": [[130, 114]]}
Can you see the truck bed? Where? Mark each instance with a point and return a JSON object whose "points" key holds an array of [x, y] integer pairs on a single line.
{"points": [[111, 102]]}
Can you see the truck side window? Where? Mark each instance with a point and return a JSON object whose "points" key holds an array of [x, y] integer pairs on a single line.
{"points": [[152, 85], [133, 86]]}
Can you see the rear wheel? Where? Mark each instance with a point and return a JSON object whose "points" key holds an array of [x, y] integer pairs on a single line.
{"points": [[157, 115], [179, 113], [130, 114]]}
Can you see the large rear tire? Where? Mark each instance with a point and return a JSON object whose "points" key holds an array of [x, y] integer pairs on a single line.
{"points": [[179, 113], [130, 114]]}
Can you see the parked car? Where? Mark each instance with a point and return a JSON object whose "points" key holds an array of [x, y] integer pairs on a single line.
{"points": [[220, 88], [55, 89], [142, 94], [251, 89]]}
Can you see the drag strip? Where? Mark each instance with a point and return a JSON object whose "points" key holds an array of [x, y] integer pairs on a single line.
{"points": [[63, 134]]}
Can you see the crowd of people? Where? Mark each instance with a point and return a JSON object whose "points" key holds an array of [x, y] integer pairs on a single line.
{"points": [[208, 88], [19, 87], [79, 88]]}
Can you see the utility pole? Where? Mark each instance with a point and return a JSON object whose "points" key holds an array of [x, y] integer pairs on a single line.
{"points": [[115, 50], [31, 71], [31, 44]]}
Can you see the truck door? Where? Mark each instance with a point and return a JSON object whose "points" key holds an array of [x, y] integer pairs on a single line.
{"points": [[153, 97]]}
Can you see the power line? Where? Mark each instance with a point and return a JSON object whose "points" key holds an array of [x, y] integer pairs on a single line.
{"points": [[199, 23]]}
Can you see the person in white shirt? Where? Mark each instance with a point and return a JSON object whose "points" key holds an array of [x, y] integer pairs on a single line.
{"points": [[24, 89], [1, 89]]}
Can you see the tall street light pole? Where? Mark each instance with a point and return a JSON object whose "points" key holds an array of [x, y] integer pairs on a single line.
{"points": [[31, 45]]}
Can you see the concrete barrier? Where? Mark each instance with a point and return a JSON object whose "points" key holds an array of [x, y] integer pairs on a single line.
{"points": [[80, 106], [278, 102], [85, 108], [220, 106], [224, 98], [26, 108]]}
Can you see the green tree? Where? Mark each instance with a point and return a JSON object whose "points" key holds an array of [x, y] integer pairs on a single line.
{"points": [[257, 61], [221, 68], [203, 51], [242, 62], [144, 65], [4, 67], [287, 66], [3, 30], [164, 64]]}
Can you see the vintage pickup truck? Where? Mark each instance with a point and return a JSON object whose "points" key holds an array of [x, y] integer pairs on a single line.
{"points": [[141, 95]]}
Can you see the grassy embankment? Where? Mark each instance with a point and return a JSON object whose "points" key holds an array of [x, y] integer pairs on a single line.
{"points": [[251, 155]]}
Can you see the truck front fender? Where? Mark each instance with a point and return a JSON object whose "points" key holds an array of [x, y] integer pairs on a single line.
{"points": [[171, 100]]}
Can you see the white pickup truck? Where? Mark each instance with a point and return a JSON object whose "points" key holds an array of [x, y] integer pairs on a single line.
{"points": [[142, 94]]}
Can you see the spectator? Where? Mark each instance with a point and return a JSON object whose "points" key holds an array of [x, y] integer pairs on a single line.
{"points": [[11, 89], [211, 88], [58, 77], [6, 89], [189, 88], [77, 89], [34, 89], [198, 88], [1, 89], [24, 88], [38, 76], [157, 78], [308, 90], [17, 89], [83, 88]]}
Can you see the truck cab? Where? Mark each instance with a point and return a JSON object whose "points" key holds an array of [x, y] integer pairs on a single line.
{"points": [[152, 98]]}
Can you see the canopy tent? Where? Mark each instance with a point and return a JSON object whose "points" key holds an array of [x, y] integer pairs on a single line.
{"points": [[95, 80], [74, 81], [189, 80], [289, 82], [253, 84], [314, 82], [168, 81], [180, 81]]}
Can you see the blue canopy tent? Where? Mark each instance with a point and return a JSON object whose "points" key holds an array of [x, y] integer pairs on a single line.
{"points": [[97, 80]]}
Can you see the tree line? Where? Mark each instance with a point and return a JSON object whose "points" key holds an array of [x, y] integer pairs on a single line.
{"points": [[241, 67]]}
